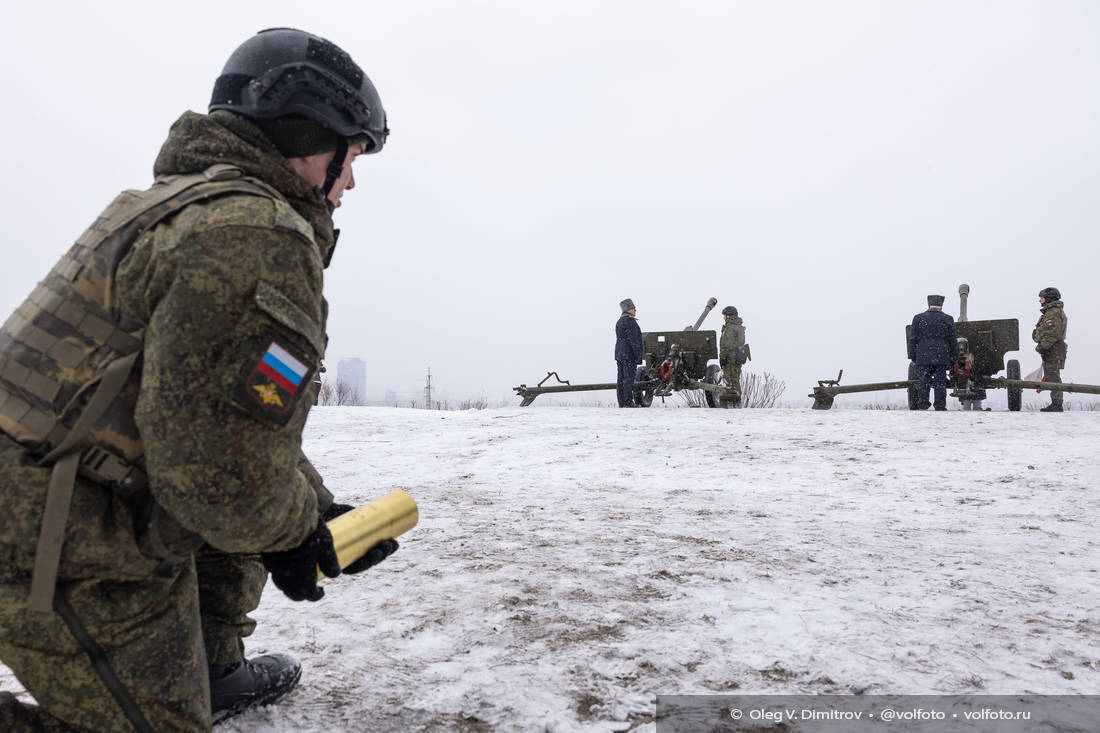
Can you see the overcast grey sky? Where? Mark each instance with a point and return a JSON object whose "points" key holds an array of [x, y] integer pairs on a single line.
{"points": [[821, 165]]}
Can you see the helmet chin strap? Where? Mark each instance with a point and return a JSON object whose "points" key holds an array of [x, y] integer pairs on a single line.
{"points": [[336, 166]]}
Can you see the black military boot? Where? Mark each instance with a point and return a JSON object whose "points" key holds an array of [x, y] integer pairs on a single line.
{"points": [[1051, 408], [254, 682], [14, 715]]}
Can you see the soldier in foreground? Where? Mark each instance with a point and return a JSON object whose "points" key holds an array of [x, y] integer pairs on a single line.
{"points": [[933, 346], [1050, 341], [628, 352], [153, 392], [731, 354]]}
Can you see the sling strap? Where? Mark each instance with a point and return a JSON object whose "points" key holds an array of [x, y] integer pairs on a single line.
{"points": [[100, 664], [66, 458]]}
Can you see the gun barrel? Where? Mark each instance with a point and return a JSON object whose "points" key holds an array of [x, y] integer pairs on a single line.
{"points": [[964, 292], [355, 532], [710, 304]]}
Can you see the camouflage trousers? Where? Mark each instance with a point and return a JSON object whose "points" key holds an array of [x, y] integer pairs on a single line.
{"points": [[1052, 372], [155, 637], [732, 373]]}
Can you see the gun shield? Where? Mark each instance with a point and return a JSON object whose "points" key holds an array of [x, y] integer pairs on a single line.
{"points": [[364, 527]]}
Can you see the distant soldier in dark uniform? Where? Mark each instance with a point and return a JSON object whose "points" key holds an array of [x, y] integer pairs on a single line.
{"points": [[153, 392], [1050, 341], [933, 347], [729, 353], [628, 352]]}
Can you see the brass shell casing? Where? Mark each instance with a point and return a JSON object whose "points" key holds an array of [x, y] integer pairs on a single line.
{"points": [[355, 532]]}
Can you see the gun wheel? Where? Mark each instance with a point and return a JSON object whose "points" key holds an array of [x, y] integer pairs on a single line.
{"points": [[642, 397], [911, 391], [713, 376], [1015, 394]]}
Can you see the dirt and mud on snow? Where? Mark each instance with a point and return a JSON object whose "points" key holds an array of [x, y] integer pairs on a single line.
{"points": [[572, 563]]}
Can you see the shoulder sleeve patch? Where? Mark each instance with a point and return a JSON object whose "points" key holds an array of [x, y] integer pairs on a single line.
{"points": [[1050, 322], [273, 380]]}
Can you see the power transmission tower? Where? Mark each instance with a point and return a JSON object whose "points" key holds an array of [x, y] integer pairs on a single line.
{"points": [[428, 391]]}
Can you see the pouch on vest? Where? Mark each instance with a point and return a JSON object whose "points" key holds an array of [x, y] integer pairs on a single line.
{"points": [[1057, 351]]}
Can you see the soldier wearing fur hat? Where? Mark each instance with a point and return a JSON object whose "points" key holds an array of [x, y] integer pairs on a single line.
{"points": [[1050, 341], [628, 352], [933, 347]]}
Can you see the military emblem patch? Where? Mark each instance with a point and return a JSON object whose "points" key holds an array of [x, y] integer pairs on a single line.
{"points": [[1050, 322], [271, 384]]}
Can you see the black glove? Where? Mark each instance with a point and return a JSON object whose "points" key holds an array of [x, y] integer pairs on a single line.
{"points": [[334, 510], [374, 555], [294, 572]]}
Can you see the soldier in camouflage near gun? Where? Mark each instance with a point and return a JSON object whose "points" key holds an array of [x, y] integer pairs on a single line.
{"points": [[153, 392], [1050, 341], [732, 354]]}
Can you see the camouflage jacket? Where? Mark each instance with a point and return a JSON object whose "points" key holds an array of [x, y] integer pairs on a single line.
{"points": [[1050, 331], [733, 335], [230, 290]]}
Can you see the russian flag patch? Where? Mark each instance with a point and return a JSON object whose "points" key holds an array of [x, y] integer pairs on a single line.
{"points": [[283, 368], [273, 382]]}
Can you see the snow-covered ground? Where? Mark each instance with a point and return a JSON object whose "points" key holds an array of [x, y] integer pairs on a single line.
{"points": [[571, 563]]}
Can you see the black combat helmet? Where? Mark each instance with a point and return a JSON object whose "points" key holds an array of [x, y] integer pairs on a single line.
{"points": [[729, 310], [1050, 294], [284, 73]]}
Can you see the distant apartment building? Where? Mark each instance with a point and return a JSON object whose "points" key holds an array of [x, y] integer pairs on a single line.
{"points": [[352, 373]]}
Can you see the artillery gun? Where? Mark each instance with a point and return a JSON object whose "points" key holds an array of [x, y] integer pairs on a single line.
{"points": [[982, 349], [672, 361]]}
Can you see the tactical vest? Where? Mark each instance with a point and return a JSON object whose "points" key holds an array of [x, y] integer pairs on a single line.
{"points": [[67, 353]]}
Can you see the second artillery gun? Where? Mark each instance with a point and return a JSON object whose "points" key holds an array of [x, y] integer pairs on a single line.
{"points": [[982, 349], [673, 361]]}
